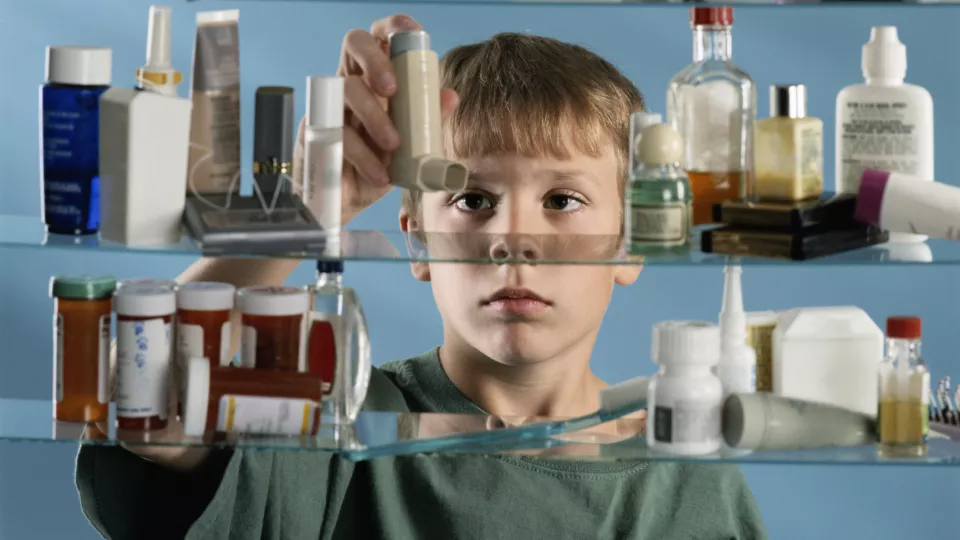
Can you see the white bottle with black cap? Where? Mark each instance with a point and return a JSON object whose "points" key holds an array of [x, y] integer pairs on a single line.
{"points": [[323, 156], [885, 123]]}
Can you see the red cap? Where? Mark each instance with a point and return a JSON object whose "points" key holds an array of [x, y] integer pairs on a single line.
{"points": [[904, 327], [711, 16]]}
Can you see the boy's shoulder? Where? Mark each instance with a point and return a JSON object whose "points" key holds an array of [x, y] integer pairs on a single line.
{"points": [[424, 385]]}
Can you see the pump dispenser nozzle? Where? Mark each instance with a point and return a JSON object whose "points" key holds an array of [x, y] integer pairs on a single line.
{"points": [[415, 110], [738, 360], [158, 75]]}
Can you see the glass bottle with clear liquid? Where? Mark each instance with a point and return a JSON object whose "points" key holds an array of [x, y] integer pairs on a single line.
{"points": [[712, 105], [904, 392], [338, 344], [658, 201], [323, 157]]}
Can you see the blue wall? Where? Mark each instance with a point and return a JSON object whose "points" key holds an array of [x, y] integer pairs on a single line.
{"points": [[284, 42]]}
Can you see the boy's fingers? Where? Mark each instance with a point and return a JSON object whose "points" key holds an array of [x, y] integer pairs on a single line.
{"points": [[449, 99], [367, 108], [363, 56], [382, 28], [357, 153]]}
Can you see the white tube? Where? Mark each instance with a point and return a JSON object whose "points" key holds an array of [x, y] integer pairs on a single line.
{"points": [[899, 203]]}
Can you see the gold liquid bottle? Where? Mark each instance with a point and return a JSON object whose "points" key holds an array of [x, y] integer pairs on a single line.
{"points": [[712, 105], [789, 148], [904, 392]]}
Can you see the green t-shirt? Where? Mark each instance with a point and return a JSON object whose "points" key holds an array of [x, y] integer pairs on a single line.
{"points": [[291, 495]]}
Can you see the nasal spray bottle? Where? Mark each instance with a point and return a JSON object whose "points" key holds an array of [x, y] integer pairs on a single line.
{"points": [[738, 361], [415, 110], [158, 74]]}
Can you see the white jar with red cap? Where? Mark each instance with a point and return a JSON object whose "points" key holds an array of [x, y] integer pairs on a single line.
{"points": [[274, 327], [144, 349]]}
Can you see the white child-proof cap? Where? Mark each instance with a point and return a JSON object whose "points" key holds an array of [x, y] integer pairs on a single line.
{"points": [[273, 301], [205, 296], [884, 56], [145, 301], [324, 102], [196, 401], [82, 66], [149, 283], [686, 342]]}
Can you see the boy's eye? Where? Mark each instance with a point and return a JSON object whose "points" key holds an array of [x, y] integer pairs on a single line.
{"points": [[473, 202], [562, 203]]}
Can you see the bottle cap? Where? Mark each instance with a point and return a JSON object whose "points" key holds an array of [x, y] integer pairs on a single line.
{"points": [[408, 40], [144, 301], [273, 127], [904, 327], [205, 296], [82, 66], [873, 183], [158, 38], [884, 56], [149, 282], [82, 287], [324, 102], [788, 100], [329, 267], [273, 301], [744, 420], [196, 401], [639, 121], [711, 16], [661, 145], [686, 342]]}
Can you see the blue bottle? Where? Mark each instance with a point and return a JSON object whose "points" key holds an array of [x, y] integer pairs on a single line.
{"points": [[70, 137]]}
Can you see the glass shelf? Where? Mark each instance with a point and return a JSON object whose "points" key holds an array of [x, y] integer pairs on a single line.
{"points": [[398, 246], [622, 2], [380, 434]]}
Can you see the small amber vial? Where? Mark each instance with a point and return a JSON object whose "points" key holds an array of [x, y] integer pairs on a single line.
{"points": [[81, 347], [274, 332], [203, 321], [224, 399], [144, 347]]}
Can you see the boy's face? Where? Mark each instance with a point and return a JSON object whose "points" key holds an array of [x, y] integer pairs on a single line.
{"points": [[526, 313]]}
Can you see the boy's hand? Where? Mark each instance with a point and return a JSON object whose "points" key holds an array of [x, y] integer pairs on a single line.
{"points": [[369, 137]]}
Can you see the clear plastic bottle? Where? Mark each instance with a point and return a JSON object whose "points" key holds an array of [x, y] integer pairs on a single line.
{"points": [[338, 343], [323, 156], [658, 194], [712, 105], [904, 389]]}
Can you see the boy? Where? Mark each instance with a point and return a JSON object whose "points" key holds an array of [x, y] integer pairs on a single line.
{"points": [[542, 126]]}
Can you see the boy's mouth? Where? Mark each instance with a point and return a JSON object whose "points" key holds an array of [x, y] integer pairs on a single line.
{"points": [[516, 301]]}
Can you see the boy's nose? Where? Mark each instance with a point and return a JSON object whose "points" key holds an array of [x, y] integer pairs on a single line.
{"points": [[516, 247]]}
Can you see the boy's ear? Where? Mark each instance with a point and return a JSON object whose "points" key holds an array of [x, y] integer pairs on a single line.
{"points": [[627, 274], [409, 225]]}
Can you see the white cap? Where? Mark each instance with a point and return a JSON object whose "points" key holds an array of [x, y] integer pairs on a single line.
{"points": [[144, 301], [158, 38], [273, 301], [324, 102], [686, 342], [148, 282], [884, 56], [82, 66], [661, 145], [205, 296], [196, 401]]}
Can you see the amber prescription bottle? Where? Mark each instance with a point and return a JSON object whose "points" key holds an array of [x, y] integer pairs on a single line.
{"points": [[81, 347], [229, 399], [274, 320], [203, 321], [144, 329]]}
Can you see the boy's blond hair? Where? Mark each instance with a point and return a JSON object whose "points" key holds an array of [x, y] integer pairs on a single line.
{"points": [[532, 96]]}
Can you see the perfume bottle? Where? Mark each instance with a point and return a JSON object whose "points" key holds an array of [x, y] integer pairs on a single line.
{"points": [[338, 347], [712, 105], [904, 392], [789, 148], [658, 194]]}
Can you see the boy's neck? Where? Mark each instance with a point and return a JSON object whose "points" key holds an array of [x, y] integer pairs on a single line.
{"points": [[560, 387]]}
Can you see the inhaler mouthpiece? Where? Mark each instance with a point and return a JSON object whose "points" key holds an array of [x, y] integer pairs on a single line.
{"points": [[415, 110], [158, 38]]}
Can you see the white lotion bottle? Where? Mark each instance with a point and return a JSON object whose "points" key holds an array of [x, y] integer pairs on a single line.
{"points": [[323, 157], [885, 123]]}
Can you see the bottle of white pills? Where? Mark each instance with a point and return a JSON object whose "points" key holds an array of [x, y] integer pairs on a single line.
{"points": [[685, 396]]}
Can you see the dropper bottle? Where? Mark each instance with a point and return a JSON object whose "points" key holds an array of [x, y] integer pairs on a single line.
{"points": [[737, 368], [158, 74]]}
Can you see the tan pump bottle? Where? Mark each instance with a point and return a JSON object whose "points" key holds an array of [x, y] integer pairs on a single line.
{"points": [[415, 110]]}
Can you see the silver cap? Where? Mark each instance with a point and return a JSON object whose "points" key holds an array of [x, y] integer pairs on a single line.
{"points": [[789, 100], [413, 40]]}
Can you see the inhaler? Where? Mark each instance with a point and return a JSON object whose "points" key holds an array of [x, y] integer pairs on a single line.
{"points": [[415, 111]]}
